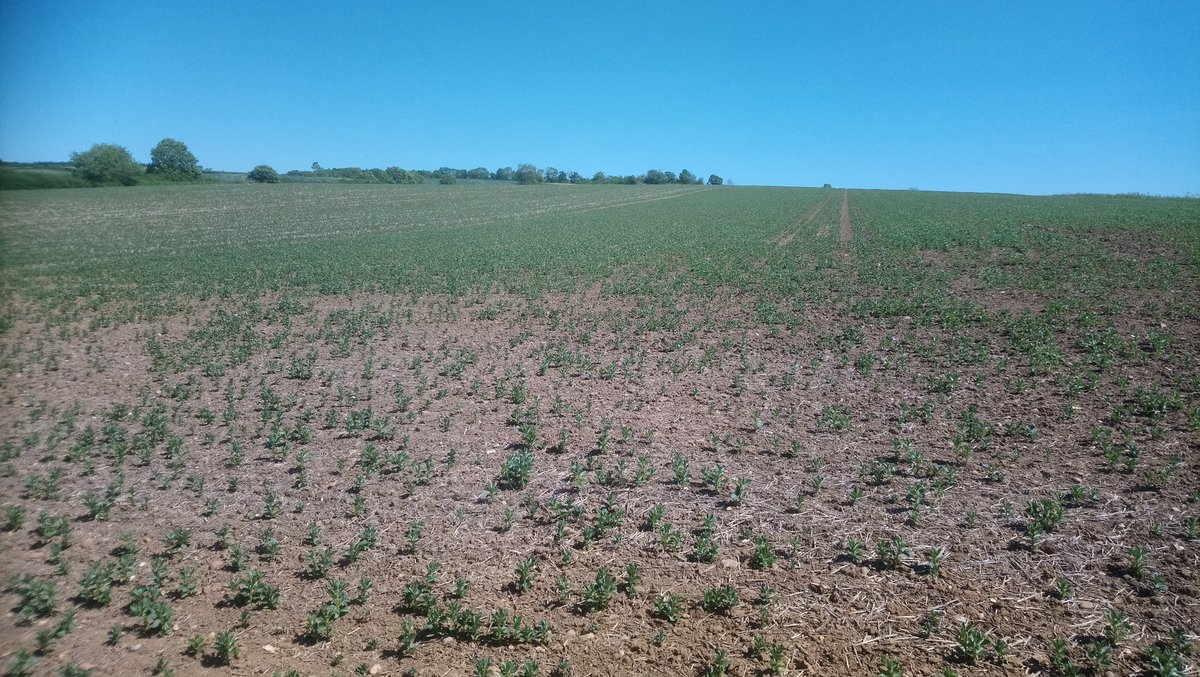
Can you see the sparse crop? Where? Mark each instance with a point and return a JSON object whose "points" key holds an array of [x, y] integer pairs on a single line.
{"points": [[667, 607], [720, 600], [972, 642], [225, 647], [37, 597], [516, 470], [891, 552], [598, 594]]}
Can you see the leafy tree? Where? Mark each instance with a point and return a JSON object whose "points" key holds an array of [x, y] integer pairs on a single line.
{"points": [[263, 174], [528, 174], [479, 173], [106, 164], [687, 178], [655, 176], [173, 161], [714, 180], [599, 177], [505, 174]]}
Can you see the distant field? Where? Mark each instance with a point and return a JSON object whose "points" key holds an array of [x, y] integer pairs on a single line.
{"points": [[234, 239], [497, 429]]}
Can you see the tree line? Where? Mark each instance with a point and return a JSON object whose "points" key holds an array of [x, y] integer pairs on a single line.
{"points": [[526, 174], [107, 164]]}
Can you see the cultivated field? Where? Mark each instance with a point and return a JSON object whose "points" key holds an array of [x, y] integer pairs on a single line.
{"points": [[598, 430]]}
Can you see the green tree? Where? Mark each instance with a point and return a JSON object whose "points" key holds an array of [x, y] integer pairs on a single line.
{"points": [[404, 176], [106, 164], [528, 174], [714, 180], [688, 178], [263, 174], [173, 161], [655, 176]]}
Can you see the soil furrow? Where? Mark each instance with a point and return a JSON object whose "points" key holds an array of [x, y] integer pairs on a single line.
{"points": [[846, 234]]}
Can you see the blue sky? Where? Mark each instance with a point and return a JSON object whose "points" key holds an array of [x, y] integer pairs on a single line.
{"points": [[1027, 97]]}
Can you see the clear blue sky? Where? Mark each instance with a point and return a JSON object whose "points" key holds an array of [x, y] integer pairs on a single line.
{"points": [[1029, 97]]}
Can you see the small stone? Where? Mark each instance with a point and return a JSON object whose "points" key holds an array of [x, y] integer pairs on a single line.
{"points": [[570, 633], [135, 647], [816, 586], [215, 564], [375, 669], [590, 635], [270, 649], [1087, 606], [729, 563]]}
